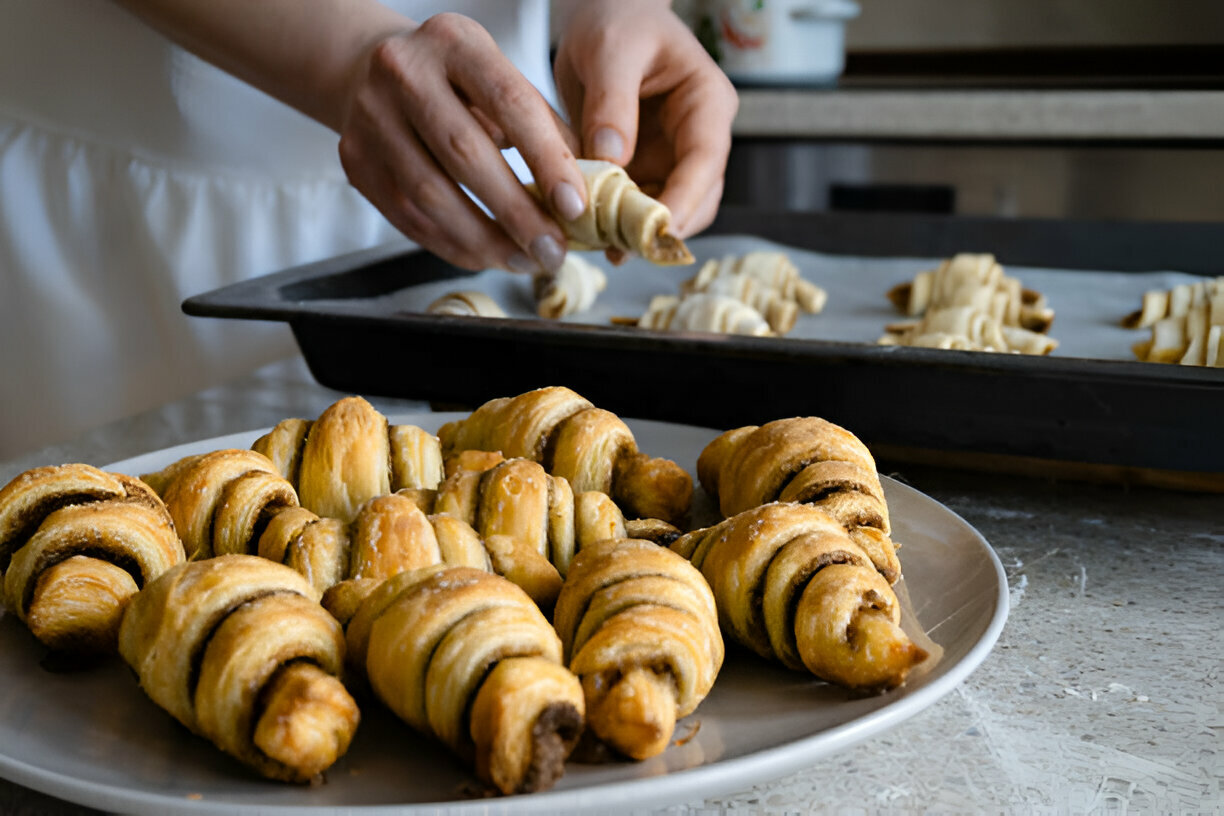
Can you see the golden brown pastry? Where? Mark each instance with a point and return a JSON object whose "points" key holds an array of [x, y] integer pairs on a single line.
{"points": [[803, 459], [239, 650], [590, 448], [976, 280], [221, 501], [77, 543], [532, 523], [639, 627], [350, 455], [791, 585], [390, 534], [620, 216], [466, 657], [571, 289], [33, 495], [224, 508], [525, 517]]}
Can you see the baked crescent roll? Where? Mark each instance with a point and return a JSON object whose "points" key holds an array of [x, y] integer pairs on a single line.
{"points": [[78, 543], [639, 627], [350, 455], [590, 448], [791, 585], [620, 216], [239, 650], [466, 657], [532, 523], [200, 487], [390, 534], [33, 495], [225, 508], [345, 459], [808, 460]]}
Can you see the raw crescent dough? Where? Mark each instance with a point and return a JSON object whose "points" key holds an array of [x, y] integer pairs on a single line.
{"points": [[620, 216], [974, 280], [1187, 324], [466, 304], [571, 289], [704, 312]]}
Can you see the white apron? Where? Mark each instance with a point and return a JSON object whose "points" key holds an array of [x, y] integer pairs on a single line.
{"points": [[134, 175]]}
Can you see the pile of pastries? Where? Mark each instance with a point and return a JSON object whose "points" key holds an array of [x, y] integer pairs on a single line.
{"points": [[968, 303], [1186, 322], [521, 580]]}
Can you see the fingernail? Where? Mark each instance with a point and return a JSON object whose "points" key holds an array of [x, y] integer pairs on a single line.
{"points": [[567, 202], [521, 263], [548, 253], [607, 144]]}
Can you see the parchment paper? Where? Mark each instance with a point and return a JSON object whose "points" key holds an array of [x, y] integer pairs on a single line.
{"points": [[1088, 305]]}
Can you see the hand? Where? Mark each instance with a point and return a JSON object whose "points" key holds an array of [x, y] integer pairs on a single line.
{"points": [[643, 93], [428, 111]]}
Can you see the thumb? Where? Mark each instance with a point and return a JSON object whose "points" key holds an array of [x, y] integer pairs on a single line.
{"points": [[610, 111]]}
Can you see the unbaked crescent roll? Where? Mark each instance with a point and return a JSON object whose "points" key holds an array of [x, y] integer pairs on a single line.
{"points": [[620, 216], [571, 289], [239, 650], [591, 448], [808, 460], [78, 544], [791, 585], [640, 628], [466, 656], [466, 304]]}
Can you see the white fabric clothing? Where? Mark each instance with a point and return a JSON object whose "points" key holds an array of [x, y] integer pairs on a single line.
{"points": [[134, 175]]}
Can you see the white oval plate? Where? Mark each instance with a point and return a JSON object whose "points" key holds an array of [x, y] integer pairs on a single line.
{"points": [[92, 737]]}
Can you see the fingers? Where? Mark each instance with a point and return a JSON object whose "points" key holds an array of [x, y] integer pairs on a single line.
{"points": [[419, 200], [699, 114], [487, 80], [427, 125], [602, 95], [649, 97], [493, 85], [705, 213]]}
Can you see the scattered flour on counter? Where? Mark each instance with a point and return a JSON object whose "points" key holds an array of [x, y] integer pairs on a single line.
{"points": [[1034, 758], [1003, 514], [1015, 592]]}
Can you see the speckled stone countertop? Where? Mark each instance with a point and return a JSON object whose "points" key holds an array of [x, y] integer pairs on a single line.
{"points": [[981, 114], [1103, 694]]}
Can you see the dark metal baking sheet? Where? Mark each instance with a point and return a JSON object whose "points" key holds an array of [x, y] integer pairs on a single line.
{"points": [[1108, 412]]}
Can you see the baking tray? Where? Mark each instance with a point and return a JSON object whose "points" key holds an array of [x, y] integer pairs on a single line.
{"points": [[348, 317]]}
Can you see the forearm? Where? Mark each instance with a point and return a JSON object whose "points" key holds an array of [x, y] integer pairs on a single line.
{"points": [[304, 54]]}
